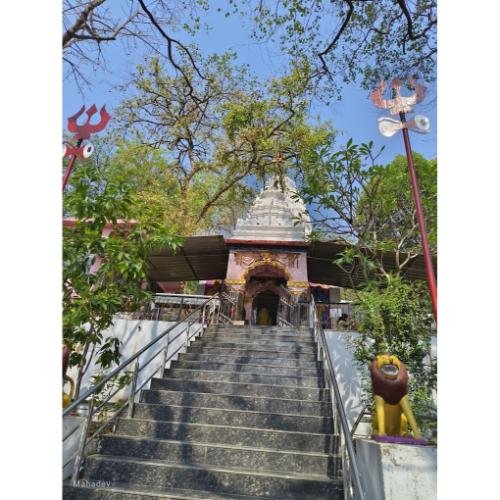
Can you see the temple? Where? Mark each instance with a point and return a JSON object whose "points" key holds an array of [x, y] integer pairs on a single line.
{"points": [[268, 254], [267, 259]]}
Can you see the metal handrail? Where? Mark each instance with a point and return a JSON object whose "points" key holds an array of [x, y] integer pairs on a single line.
{"points": [[119, 368], [206, 316], [319, 335]]}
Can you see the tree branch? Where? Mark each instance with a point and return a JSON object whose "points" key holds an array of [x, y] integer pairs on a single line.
{"points": [[337, 36], [80, 21], [170, 42]]}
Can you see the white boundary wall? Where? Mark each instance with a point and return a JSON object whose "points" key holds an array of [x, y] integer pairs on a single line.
{"points": [[133, 335]]}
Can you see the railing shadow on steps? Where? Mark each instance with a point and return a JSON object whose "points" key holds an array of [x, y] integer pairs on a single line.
{"points": [[101, 413]]}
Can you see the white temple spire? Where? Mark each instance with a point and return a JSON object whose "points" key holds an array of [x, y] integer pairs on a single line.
{"points": [[274, 213]]}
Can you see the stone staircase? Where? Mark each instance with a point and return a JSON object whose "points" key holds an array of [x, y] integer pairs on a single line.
{"points": [[243, 414]]}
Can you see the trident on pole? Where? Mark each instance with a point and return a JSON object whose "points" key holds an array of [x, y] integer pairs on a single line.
{"points": [[81, 133], [400, 105]]}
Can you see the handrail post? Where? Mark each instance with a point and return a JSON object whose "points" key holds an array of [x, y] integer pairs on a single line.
{"points": [[89, 396], [131, 396], [202, 317], [163, 361], [187, 334], [180, 309], [81, 443]]}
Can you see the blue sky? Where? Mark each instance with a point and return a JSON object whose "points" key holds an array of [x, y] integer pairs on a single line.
{"points": [[354, 116]]}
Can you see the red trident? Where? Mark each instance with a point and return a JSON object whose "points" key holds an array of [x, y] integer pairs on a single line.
{"points": [[81, 133]]}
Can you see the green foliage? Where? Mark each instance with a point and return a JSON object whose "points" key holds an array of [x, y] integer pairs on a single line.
{"points": [[105, 394], [391, 211], [376, 41], [371, 207], [91, 295], [352, 198], [394, 318], [206, 150]]}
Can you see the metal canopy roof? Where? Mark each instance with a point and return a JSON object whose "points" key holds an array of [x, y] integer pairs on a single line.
{"points": [[322, 269], [206, 257], [199, 258]]}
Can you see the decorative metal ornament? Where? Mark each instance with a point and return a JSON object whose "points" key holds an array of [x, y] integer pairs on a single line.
{"points": [[389, 126], [398, 104], [83, 131], [80, 133]]}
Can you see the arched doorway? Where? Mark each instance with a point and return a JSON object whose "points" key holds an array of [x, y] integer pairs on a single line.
{"points": [[265, 307]]}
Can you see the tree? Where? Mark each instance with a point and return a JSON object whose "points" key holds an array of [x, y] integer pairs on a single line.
{"points": [[93, 294], [89, 24], [212, 149], [371, 207], [392, 215], [353, 199], [352, 41]]}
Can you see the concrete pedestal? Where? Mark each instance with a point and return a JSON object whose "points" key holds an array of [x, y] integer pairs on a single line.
{"points": [[397, 471]]}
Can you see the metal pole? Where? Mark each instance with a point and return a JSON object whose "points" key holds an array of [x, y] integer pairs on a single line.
{"points": [[81, 444], [429, 270], [180, 309], [163, 361], [131, 396], [70, 166]]}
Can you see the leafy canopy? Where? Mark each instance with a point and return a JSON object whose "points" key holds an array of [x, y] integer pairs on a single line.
{"points": [[104, 262]]}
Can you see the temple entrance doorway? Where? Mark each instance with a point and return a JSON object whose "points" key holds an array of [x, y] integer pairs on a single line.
{"points": [[265, 308], [265, 283]]}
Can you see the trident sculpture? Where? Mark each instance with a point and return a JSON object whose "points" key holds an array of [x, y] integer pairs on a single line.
{"points": [[400, 105], [81, 133]]}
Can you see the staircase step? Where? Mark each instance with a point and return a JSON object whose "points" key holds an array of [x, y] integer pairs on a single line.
{"points": [[238, 402], [210, 455], [255, 352], [86, 491], [160, 475], [243, 389], [256, 336], [258, 328], [264, 345], [252, 378], [286, 362], [238, 418], [246, 368], [224, 435]]}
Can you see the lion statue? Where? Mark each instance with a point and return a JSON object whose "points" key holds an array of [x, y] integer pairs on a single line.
{"points": [[393, 411]]}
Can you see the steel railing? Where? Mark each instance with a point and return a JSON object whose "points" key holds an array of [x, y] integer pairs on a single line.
{"points": [[338, 315], [101, 413], [350, 472], [291, 311], [167, 307]]}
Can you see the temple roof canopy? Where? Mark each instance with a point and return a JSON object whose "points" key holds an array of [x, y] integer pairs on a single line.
{"points": [[206, 257]]}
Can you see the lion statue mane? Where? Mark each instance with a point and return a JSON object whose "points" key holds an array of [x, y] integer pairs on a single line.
{"points": [[393, 411]]}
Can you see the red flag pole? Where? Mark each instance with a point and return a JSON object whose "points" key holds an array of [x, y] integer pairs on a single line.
{"points": [[429, 269]]}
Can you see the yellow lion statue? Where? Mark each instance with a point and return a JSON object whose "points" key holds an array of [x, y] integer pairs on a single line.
{"points": [[393, 411]]}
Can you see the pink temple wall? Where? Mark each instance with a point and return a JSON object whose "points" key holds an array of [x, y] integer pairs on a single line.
{"points": [[299, 273]]}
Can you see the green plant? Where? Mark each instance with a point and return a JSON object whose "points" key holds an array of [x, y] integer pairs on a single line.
{"points": [[394, 317], [104, 263]]}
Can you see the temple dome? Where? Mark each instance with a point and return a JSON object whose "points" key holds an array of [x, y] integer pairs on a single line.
{"points": [[274, 214]]}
